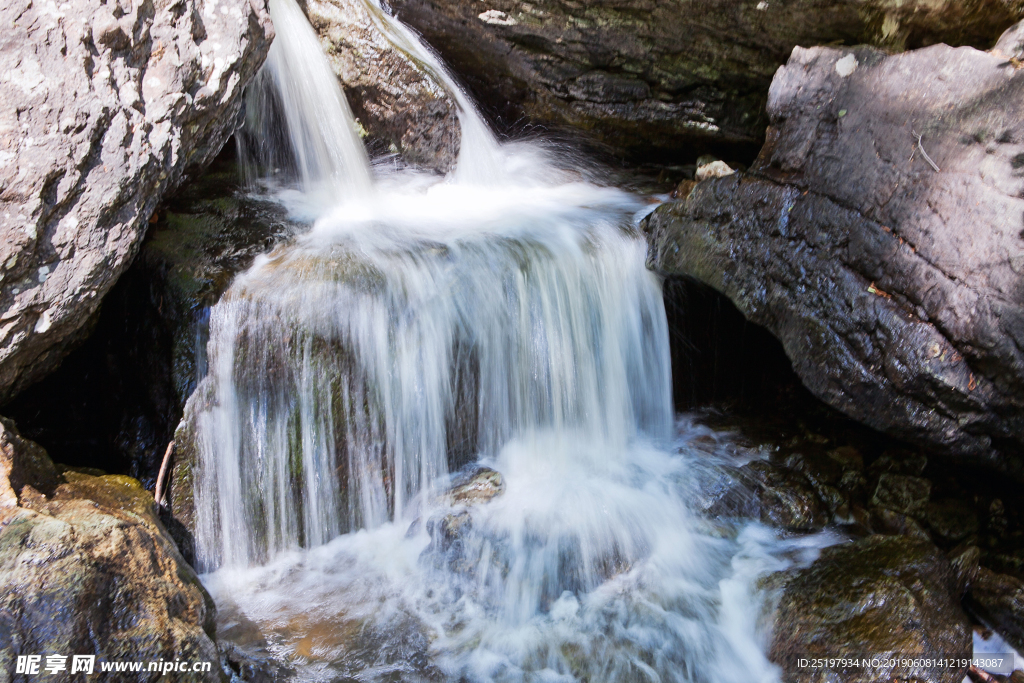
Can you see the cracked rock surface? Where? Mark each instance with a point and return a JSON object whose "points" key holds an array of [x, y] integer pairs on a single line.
{"points": [[896, 289], [396, 98], [105, 106], [679, 77]]}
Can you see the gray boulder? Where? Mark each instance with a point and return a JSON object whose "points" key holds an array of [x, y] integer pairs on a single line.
{"points": [[104, 108], [667, 78], [890, 266]]}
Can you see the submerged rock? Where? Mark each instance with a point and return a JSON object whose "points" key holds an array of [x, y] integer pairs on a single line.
{"points": [[674, 77], [849, 240], [878, 597], [105, 109], [480, 486], [87, 568], [395, 97]]}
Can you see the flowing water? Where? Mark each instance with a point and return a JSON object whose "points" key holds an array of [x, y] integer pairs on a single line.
{"points": [[421, 329]]}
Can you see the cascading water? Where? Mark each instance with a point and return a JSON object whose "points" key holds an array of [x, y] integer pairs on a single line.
{"points": [[502, 318]]}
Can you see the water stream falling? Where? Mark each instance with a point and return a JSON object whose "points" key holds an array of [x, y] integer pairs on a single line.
{"points": [[503, 318]]}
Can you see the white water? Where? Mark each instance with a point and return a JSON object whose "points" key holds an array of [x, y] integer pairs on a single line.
{"points": [[320, 146], [504, 317]]}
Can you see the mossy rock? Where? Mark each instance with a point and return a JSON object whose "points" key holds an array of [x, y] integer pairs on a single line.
{"points": [[877, 597]]}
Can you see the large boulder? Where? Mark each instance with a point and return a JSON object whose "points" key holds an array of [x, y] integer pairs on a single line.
{"points": [[115, 400], [104, 108], [667, 78], [883, 597], [394, 96], [86, 568], [889, 265]]}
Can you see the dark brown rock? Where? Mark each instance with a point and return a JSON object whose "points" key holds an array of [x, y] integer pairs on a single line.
{"points": [[104, 108], [776, 495], [964, 559], [901, 493], [643, 77], [885, 521], [951, 519], [998, 600], [393, 96], [883, 595], [854, 251]]}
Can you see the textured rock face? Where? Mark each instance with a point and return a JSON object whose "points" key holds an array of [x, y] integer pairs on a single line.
{"points": [[86, 568], [676, 76], [895, 288], [998, 599], [881, 596], [104, 107], [394, 97]]}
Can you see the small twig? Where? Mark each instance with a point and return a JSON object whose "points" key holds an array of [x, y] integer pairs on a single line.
{"points": [[925, 154], [158, 493]]}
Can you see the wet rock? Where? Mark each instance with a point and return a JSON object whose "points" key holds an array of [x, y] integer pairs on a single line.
{"points": [[882, 595], [964, 560], [393, 96], [886, 521], [848, 457], [786, 499], [448, 529], [901, 493], [846, 243], [90, 570], [776, 495], [105, 110], [480, 486], [998, 600], [951, 520], [673, 77]]}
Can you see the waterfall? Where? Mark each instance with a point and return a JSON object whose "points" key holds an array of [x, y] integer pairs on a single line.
{"points": [[501, 318], [297, 118], [481, 160]]}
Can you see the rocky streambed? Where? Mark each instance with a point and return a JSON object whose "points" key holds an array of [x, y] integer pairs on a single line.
{"points": [[864, 273]]}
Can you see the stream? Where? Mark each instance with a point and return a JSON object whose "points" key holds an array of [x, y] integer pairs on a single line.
{"points": [[437, 440]]}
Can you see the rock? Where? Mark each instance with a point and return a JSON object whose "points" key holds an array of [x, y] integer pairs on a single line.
{"points": [[480, 486], [671, 78], [952, 520], [1011, 44], [848, 457], [394, 97], [105, 109], [786, 499], [846, 244], [22, 463], [116, 400], [908, 495], [964, 559], [712, 169], [998, 600], [877, 597], [778, 496], [90, 570], [885, 521]]}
